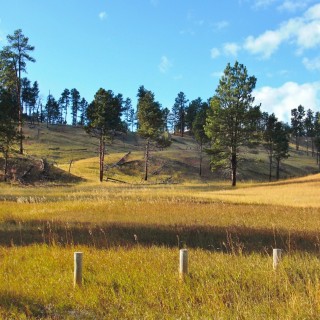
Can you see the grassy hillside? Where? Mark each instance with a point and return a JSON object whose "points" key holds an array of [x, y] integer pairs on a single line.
{"points": [[130, 235], [70, 149]]}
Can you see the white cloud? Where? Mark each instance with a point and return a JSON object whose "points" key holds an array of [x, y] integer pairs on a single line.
{"points": [[231, 49], [217, 74], [188, 32], [221, 25], [102, 15], [178, 77], [263, 3], [312, 64], [293, 5], [302, 31], [282, 100], [165, 64], [264, 45], [215, 52]]}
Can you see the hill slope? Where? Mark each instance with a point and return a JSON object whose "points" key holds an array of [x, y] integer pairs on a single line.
{"points": [[69, 148]]}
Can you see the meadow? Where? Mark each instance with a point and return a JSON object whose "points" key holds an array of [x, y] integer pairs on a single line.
{"points": [[130, 234]]}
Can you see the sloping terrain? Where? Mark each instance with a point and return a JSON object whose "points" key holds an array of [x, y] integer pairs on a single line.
{"points": [[73, 155]]}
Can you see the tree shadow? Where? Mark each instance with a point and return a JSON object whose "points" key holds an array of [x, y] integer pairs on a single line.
{"points": [[234, 239]]}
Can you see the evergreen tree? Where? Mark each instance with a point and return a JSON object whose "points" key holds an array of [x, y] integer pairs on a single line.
{"points": [[269, 137], [309, 127], [165, 118], [199, 132], [179, 111], [83, 105], [281, 145], [75, 102], [191, 112], [8, 125], [14, 58], [103, 119], [232, 121], [297, 124], [317, 136], [64, 103], [34, 100], [127, 111], [26, 95], [150, 120], [52, 110]]}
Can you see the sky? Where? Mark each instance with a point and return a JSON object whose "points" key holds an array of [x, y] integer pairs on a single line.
{"points": [[170, 46]]}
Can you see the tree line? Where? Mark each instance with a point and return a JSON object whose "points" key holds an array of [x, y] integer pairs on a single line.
{"points": [[223, 125]]}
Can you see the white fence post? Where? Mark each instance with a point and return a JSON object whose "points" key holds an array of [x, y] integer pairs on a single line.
{"points": [[77, 269], [276, 257], [183, 267]]}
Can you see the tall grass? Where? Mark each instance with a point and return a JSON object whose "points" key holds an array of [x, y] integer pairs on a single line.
{"points": [[36, 282], [130, 236]]}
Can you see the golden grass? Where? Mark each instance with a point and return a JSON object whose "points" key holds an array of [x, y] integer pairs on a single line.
{"points": [[229, 232], [36, 283]]}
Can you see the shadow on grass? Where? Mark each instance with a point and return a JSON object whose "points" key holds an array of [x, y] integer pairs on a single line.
{"points": [[233, 239], [17, 306]]}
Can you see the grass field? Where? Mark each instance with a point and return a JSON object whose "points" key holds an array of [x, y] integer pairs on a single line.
{"points": [[130, 236]]}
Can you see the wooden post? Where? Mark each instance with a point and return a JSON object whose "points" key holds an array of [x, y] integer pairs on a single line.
{"points": [[77, 269], [183, 267], [276, 258]]}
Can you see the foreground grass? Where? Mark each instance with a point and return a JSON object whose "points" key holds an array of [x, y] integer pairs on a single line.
{"points": [[140, 283], [130, 235]]}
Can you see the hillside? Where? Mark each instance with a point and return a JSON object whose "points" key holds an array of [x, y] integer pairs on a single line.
{"points": [[63, 148]]}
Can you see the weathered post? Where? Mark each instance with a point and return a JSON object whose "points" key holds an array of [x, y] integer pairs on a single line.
{"points": [[276, 258], [183, 267], [77, 269]]}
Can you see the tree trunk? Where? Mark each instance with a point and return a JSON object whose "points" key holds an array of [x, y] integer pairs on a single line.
{"points": [[307, 145], [297, 142], [146, 160], [200, 162], [102, 150], [270, 167], [234, 169], [5, 166], [312, 146], [278, 169]]}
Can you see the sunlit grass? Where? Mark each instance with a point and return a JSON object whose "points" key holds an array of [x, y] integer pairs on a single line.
{"points": [[144, 284], [130, 233]]}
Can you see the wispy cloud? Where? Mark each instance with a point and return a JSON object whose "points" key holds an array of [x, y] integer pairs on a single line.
{"points": [[102, 15], [190, 32], [293, 5], [217, 74], [178, 77], [280, 100], [221, 25], [312, 64], [231, 49], [263, 3], [165, 64], [215, 53], [303, 32]]}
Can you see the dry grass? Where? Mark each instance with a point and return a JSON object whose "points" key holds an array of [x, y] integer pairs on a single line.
{"points": [[36, 283], [130, 233]]}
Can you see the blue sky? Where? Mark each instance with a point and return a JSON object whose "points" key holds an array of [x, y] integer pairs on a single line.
{"points": [[171, 46]]}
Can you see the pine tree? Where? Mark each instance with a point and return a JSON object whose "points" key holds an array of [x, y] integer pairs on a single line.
{"points": [[233, 120], [103, 119], [14, 58]]}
